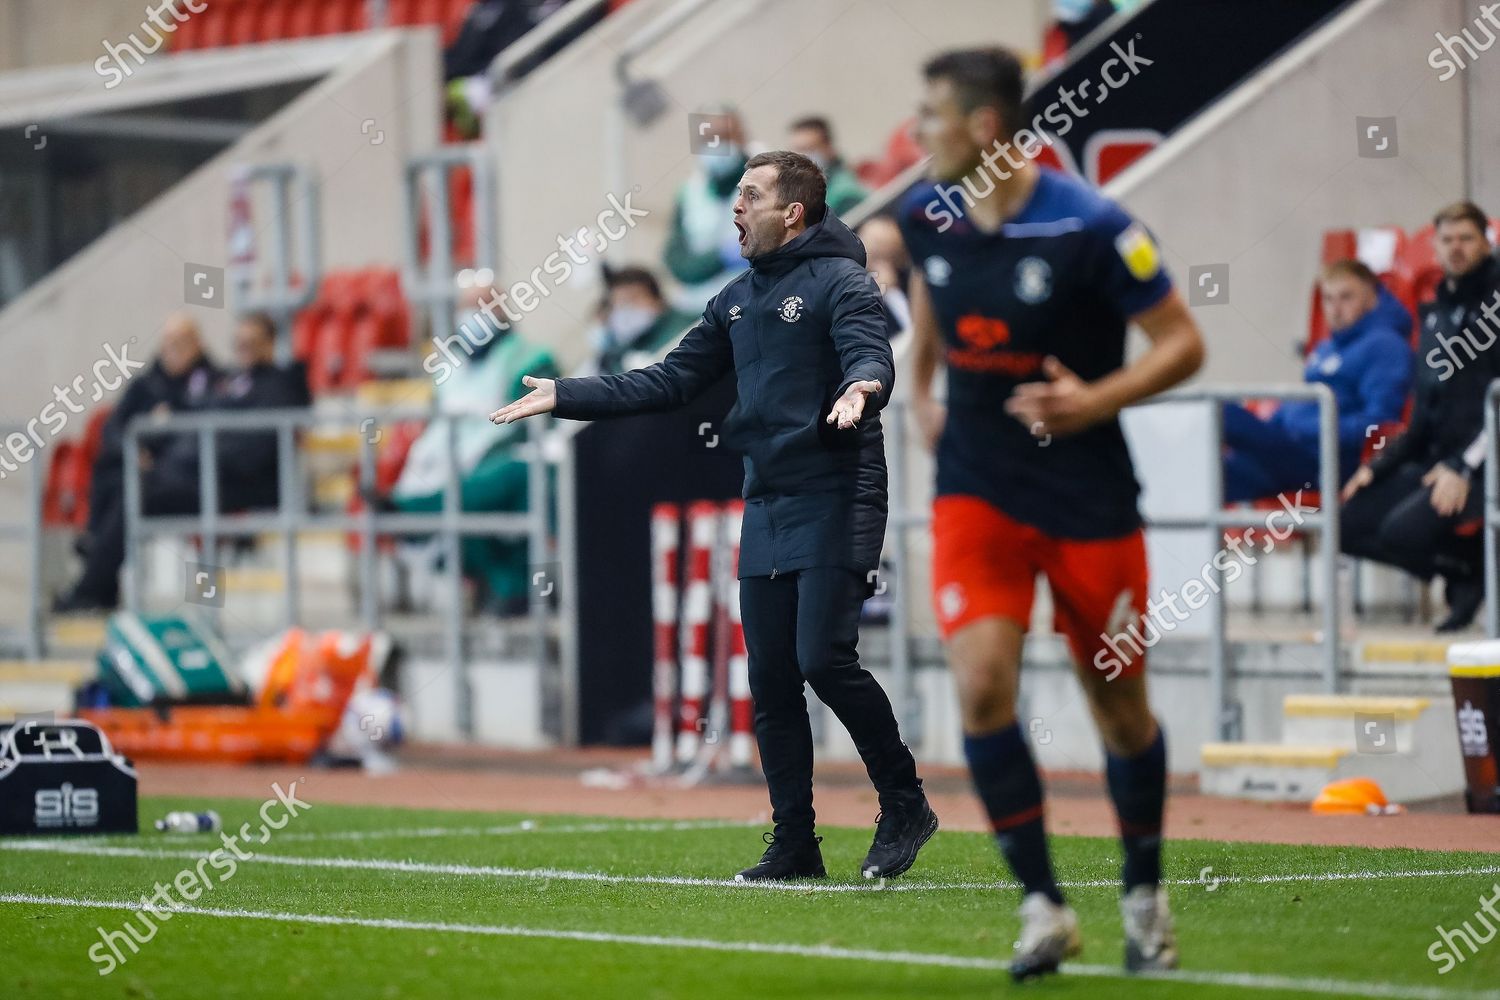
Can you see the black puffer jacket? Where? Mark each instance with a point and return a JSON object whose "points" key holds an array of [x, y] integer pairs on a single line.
{"points": [[798, 328]]}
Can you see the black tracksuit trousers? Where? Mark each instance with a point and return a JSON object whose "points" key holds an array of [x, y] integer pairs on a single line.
{"points": [[1392, 521], [803, 627]]}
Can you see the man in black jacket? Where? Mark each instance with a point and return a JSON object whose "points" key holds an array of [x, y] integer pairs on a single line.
{"points": [[806, 334], [247, 461], [178, 379], [1416, 504]]}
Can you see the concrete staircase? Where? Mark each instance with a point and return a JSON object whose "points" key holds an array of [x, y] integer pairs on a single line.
{"points": [[1409, 746]]}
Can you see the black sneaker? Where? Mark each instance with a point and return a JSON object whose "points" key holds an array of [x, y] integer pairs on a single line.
{"points": [[1465, 596], [899, 835], [786, 858]]}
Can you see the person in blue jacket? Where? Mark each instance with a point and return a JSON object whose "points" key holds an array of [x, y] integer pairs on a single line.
{"points": [[1367, 362], [806, 333]]}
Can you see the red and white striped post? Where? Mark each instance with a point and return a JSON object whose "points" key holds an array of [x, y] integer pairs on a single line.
{"points": [[740, 708], [666, 534], [697, 610]]}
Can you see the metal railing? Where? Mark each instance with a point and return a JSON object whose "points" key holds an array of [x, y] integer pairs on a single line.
{"points": [[1324, 521], [1491, 510], [292, 515], [29, 533]]}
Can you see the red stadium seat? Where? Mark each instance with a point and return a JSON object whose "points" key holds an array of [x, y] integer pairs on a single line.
{"points": [[216, 23], [189, 33], [303, 20], [275, 19], [901, 151], [243, 17], [399, 13]]}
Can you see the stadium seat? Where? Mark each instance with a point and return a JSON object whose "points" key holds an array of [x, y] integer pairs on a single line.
{"points": [[275, 19], [303, 21], [189, 33], [901, 151]]}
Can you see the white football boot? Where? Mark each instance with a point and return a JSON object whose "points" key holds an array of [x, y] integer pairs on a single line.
{"points": [[1150, 944], [1049, 934]]}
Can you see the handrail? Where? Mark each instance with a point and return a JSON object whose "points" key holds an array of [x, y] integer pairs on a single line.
{"points": [[291, 516], [34, 632], [1491, 510], [505, 70], [1324, 521]]}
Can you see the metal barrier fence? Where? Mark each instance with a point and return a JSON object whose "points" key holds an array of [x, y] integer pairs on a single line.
{"points": [[1491, 511], [29, 532], [1324, 521], [292, 515]]}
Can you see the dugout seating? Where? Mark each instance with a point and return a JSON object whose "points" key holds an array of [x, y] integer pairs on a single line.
{"points": [[355, 314], [225, 23], [65, 497]]}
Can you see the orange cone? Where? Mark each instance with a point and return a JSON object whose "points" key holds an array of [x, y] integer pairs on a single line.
{"points": [[1353, 797]]}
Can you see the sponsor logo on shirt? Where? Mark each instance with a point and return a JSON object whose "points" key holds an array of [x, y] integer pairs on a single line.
{"points": [[1138, 251]]}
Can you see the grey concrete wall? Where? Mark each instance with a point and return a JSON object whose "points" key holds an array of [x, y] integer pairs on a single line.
{"points": [[776, 60], [1256, 181]]}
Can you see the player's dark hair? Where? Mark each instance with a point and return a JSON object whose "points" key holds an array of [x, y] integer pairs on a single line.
{"points": [[985, 77], [797, 179], [1462, 211], [634, 276], [1350, 268], [264, 321], [817, 122]]}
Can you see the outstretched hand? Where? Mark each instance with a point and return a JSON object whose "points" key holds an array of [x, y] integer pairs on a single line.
{"points": [[541, 399], [851, 405]]}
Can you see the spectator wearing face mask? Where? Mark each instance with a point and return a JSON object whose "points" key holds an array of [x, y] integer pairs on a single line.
{"points": [[703, 250], [492, 472], [813, 138], [635, 323]]}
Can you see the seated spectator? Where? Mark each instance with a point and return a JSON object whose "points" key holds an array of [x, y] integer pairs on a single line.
{"points": [[1366, 361], [703, 249], [247, 461], [1419, 504], [886, 259], [635, 323], [489, 28], [492, 473], [179, 378], [813, 138]]}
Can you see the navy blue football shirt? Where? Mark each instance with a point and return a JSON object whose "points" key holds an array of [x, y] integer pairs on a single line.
{"points": [[1061, 278]]}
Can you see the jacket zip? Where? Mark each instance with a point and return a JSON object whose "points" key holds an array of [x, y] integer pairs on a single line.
{"points": [[772, 522]]}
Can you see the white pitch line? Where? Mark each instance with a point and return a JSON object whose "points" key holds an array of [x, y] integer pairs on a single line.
{"points": [[569, 875], [515, 829], [1335, 987], [432, 832]]}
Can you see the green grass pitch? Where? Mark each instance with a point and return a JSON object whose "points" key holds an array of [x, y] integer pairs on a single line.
{"points": [[385, 903]]}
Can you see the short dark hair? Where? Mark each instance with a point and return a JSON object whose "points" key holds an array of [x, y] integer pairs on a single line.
{"points": [[1350, 268], [817, 122], [263, 320], [991, 76], [1463, 211], [797, 179], [633, 276]]}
